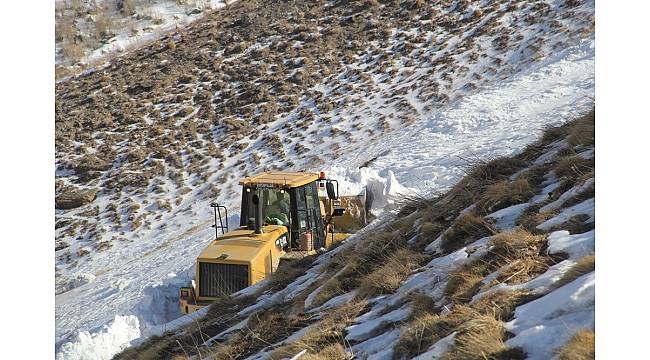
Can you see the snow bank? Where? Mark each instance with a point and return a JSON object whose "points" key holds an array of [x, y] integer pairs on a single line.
{"points": [[382, 188], [586, 207], [506, 218], [66, 284], [160, 302], [543, 325], [576, 246], [104, 344]]}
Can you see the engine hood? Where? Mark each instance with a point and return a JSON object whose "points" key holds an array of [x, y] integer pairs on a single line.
{"points": [[242, 245]]}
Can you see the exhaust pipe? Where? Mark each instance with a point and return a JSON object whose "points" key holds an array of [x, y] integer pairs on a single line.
{"points": [[258, 214]]}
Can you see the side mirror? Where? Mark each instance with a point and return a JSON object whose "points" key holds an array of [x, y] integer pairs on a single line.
{"points": [[338, 212], [331, 193]]}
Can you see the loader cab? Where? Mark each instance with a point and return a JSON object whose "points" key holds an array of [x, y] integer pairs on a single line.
{"points": [[298, 208]]}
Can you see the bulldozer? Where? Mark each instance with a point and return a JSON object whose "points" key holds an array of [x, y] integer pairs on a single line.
{"points": [[284, 216]]}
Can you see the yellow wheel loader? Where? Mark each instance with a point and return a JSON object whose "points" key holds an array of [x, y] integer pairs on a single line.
{"points": [[284, 215]]}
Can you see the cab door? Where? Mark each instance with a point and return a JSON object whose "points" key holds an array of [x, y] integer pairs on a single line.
{"points": [[306, 209]]}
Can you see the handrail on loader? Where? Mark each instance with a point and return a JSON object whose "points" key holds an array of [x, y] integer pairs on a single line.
{"points": [[217, 212]]}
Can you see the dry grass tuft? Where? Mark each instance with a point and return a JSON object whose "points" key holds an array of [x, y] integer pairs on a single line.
{"points": [[72, 51], [501, 304], [583, 131], [330, 289], [374, 247], [523, 270], [579, 132], [531, 218], [422, 304], [263, 329], [429, 231], [424, 330], [64, 30], [439, 210], [517, 248], [331, 352], [103, 25], [572, 166], [582, 346], [505, 193], [403, 225], [585, 265], [516, 244], [479, 338], [518, 255], [577, 224], [387, 278], [467, 228], [464, 283], [220, 316], [326, 333], [483, 335], [494, 170], [369, 254]]}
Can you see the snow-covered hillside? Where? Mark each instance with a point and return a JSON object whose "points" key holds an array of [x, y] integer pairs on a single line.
{"points": [[94, 32], [408, 102], [508, 249]]}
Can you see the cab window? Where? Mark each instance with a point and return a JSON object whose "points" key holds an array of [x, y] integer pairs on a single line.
{"points": [[275, 206]]}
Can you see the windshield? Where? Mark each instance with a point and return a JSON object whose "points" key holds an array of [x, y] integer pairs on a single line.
{"points": [[275, 206]]}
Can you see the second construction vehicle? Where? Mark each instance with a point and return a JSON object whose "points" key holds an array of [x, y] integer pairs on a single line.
{"points": [[283, 216]]}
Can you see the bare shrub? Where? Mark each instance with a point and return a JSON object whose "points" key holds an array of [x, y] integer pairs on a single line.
{"points": [[128, 7], [64, 30], [103, 25], [82, 252], [73, 52]]}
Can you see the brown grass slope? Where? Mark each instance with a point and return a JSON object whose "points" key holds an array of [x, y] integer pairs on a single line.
{"points": [[517, 255], [177, 109]]}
